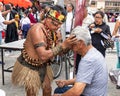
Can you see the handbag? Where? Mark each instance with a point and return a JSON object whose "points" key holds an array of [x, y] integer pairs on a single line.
{"points": [[107, 42]]}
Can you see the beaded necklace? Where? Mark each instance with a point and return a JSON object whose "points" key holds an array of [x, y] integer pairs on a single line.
{"points": [[51, 42], [51, 37]]}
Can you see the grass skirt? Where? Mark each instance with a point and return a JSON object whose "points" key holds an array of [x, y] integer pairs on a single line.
{"points": [[30, 79]]}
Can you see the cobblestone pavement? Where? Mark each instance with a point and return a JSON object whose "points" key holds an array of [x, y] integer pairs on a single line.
{"points": [[11, 90]]}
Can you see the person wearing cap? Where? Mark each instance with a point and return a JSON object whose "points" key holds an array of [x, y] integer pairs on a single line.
{"points": [[32, 68], [92, 75]]}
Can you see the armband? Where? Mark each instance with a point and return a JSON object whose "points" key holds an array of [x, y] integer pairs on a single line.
{"points": [[39, 45], [56, 50]]}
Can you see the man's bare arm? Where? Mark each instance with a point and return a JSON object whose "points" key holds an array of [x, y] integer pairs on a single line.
{"points": [[117, 25], [5, 12]]}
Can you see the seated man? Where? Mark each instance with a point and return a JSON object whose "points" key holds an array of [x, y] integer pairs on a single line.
{"points": [[92, 75]]}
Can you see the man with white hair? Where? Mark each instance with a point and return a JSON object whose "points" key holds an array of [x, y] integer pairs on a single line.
{"points": [[92, 76]]}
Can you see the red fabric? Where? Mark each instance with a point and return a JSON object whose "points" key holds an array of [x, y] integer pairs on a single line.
{"points": [[21, 3], [25, 3], [32, 19], [1, 0], [3, 34], [79, 12]]}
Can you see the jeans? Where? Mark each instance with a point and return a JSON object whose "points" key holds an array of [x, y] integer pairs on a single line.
{"points": [[59, 90]]}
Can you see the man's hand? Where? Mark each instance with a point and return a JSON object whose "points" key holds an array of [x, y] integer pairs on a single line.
{"points": [[61, 83], [67, 44], [92, 26], [97, 30]]}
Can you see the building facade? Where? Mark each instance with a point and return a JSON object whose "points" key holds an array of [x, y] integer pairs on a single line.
{"points": [[108, 5]]}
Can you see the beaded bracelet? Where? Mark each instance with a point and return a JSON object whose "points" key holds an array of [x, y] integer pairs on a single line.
{"points": [[56, 50]]}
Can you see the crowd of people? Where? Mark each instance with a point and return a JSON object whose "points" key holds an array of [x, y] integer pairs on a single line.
{"points": [[41, 30], [112, 17]]}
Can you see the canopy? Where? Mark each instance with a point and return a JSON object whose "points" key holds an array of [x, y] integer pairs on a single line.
{"points": [[21, 3], [25, 3]]}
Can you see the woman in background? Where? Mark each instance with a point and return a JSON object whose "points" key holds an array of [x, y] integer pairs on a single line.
{"points": [[99, 31]]}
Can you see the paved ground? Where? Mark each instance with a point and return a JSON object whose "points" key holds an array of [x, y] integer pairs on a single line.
{"points": [[11, 90]]}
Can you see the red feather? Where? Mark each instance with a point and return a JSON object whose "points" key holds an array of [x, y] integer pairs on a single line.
{"points": [[57, 14]]}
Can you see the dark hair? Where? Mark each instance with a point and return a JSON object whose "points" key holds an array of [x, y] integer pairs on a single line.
{"points": [[99, 12], [26, 12], [11, 4], [71, 5], [7, 7]]}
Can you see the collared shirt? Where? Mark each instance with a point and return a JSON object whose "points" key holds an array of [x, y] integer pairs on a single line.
{"points": [[69, 20], [24, 21]]}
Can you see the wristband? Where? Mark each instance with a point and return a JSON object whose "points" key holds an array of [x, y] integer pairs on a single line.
{"points": [[56, 50]]}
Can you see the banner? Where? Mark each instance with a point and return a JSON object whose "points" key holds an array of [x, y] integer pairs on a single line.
{"points": [[79, 12]]}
